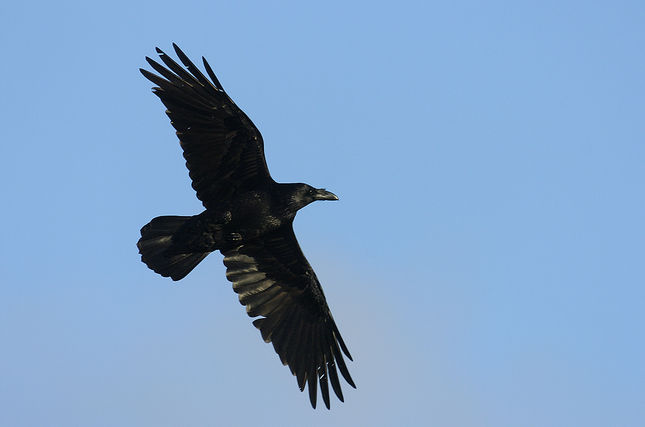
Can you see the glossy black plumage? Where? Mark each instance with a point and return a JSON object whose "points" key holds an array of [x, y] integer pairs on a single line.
{"points": [[248, 218]]}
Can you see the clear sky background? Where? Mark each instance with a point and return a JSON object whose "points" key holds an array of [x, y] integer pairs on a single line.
{"points": [[485, 262]]}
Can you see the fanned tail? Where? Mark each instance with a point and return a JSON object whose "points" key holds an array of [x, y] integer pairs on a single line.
{"points": [[156, 244]]}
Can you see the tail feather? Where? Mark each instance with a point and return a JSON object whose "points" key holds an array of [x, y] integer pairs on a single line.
{"points": [[155, 244]]}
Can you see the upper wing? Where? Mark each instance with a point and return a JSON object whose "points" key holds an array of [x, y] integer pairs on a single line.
{"points": [[274, 280], [224, 150]]}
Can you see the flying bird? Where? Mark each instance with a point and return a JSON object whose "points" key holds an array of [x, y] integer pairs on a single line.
{"points": [[248, 217]]}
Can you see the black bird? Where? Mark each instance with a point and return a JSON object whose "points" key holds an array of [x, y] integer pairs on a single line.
{"points": [[248, 218]]}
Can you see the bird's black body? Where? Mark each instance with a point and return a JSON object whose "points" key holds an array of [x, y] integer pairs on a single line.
{"points": [[248, 218]]}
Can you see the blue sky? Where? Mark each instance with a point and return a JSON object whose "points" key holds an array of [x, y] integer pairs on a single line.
{"points": [[484, 263]]}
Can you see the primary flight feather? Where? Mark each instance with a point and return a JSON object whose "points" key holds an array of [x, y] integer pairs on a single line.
{"points": [[248, 218]]}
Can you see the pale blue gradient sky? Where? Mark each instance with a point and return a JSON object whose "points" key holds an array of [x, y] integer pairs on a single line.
{"points": [[485, 263]]}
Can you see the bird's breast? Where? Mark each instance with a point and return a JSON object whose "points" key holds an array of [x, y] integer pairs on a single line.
{"points": [[252, 213]]}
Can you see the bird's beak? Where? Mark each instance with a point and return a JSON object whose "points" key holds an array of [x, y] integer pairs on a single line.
{"points": [[322, 194]]}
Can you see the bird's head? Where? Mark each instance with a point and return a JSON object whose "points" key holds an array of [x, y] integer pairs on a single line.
{"points": [[304, 194]]}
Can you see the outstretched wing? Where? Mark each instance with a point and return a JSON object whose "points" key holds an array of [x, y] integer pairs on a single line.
{"points": [[275, 281], [224, 150]]}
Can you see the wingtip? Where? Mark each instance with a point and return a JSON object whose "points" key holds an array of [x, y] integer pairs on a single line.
{"points": [[325, 396], [212, 75], [150, 61], [148, 75], [313, 392]]}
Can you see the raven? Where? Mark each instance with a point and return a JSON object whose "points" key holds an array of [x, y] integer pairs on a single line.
{"points": [[249, 219]]}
